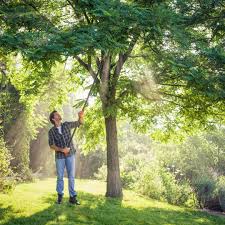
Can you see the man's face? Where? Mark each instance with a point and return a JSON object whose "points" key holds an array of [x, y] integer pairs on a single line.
{"points": [[57, 118]]}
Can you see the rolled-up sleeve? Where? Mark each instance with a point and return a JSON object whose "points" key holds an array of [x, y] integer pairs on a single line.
{"points": [[73, 124], [51, 140]]}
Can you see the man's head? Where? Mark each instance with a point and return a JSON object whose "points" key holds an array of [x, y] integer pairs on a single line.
{"points": [[55, 118]]}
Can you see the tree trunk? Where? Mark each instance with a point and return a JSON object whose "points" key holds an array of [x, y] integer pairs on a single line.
{"points": [[114, 188], [107, 94]]}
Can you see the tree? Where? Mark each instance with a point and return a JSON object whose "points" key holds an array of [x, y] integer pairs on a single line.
{"points": [[178, 39]]}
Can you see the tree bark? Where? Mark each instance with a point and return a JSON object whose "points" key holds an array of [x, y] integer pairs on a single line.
{"points": [[114, 187]]}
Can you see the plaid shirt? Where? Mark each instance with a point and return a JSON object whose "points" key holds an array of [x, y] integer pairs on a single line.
{"points": [[61, 140]]}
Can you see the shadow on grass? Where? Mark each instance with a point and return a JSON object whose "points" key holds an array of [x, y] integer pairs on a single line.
{"points": [[5, 211], [98, 210]]}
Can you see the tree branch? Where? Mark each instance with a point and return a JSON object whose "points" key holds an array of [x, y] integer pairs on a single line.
{"points": [[138, 56], [71, 4], [173, 85], [89, 61], [86, 17], [105, 81], [35, 9], [86, 66], [3, 72], [132, 44], [122, 59], [172, 102], [74, 9], [98, 62], [172, 95], [120, 97]]}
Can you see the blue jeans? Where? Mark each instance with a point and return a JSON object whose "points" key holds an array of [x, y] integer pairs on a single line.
{"points": [[69, 163]]}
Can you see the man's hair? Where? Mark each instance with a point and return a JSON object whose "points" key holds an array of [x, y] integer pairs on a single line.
{"points": [[51, 117]]}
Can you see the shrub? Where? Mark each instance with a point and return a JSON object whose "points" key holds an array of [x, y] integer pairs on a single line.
{"points": [[130, 166], [220, 190], [127, 178], [175, 192], [102, 173], [150, 182], [6, 181], [24, 174], [204, 188]]}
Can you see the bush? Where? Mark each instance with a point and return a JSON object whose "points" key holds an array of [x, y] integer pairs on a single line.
{"points": [[220, 190], [127, 179], [204, 188], [150, 182], [6, 181], [174, 192], [130, 165], [102, 173], [24, 175]]}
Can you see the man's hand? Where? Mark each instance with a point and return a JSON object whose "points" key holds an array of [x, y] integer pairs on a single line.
{"points": [[81, 114], [66, 151], [81, 117]]}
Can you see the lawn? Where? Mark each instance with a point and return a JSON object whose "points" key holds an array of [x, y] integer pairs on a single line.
{"points": [[34, 204]]}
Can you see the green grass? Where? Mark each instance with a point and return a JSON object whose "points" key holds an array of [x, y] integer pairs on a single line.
{"points": [[34, 204]]}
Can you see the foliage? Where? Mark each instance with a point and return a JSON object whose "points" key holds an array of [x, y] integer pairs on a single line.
{"points": [[6, 174], [30, 92], [130, 169], [200, 160], [175, 192], [183, 46], [220, 191], [92, 134], [204, 188], [101, 173], [150, 182], [89, 164], [205, 152]]}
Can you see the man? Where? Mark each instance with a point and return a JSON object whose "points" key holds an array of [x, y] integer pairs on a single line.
{"points": [[59, 137]]}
